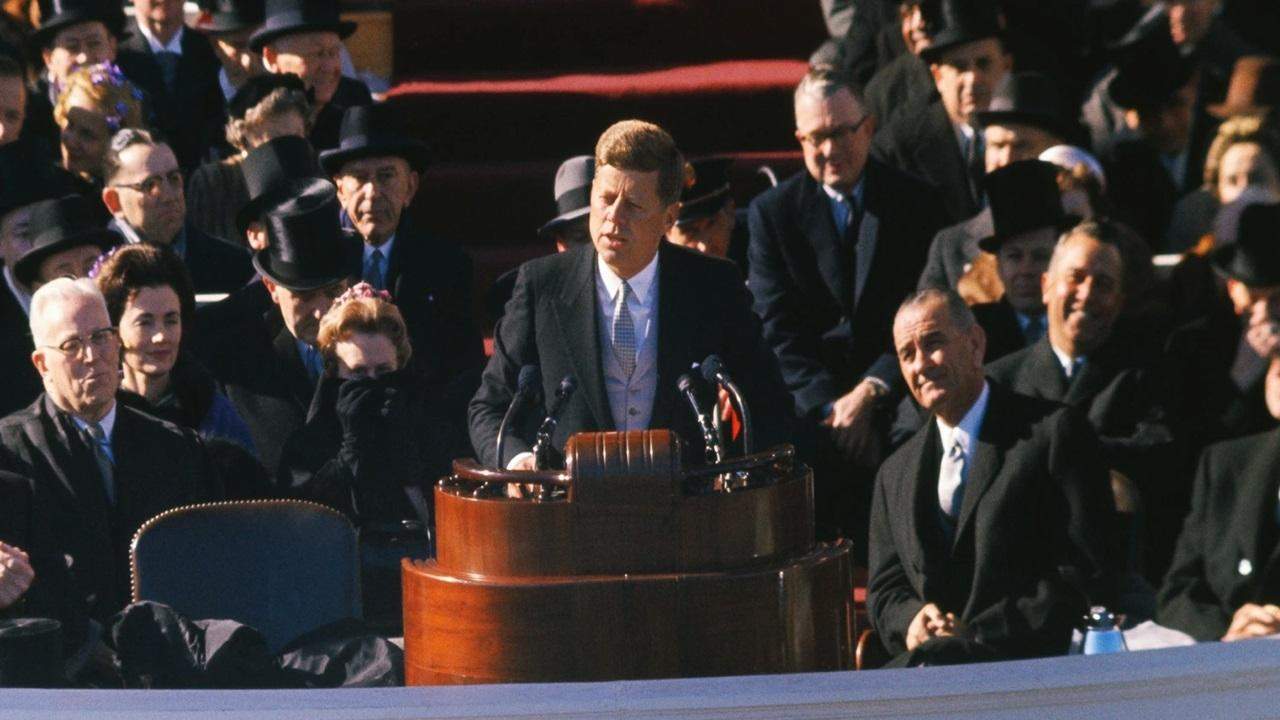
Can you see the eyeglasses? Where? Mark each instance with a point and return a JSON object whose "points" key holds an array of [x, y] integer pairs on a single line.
{"points": [[99, 340], [152, 184], [843, 132]]}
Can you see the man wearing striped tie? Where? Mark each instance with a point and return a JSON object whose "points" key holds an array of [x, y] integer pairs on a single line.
{"points": [[626, 316]]}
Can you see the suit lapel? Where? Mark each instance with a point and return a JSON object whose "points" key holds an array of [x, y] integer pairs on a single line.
{"points": [[1258, 493], [290, 368], [820, 229], [988, 456], [924, 530], [1045, 372], [576, 313], [676, 330], [939, 148], [70, 459]]}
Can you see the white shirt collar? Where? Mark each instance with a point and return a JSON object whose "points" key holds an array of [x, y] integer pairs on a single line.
{"points": [[965, 135], [969, 425], [854, 196], [1067, 362], [23, 298], [384, 248], [174, 46], [641, 283], [108, 421]]}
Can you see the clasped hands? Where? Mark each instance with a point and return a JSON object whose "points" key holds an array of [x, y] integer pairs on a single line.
{"points": [[16, 574], [931, 623], [1252, 621]]}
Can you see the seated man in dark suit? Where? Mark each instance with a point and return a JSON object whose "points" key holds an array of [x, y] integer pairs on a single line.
{"points": [[626, 316], [833, 249], [179, 71], [988, 526], [97, 469], [144, 192], [1223, 580], [304, 37], [937, 136], [1026, 208], [378, 168]]}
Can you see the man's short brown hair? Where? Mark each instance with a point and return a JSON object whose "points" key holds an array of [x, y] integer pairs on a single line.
{"points": [[644, 147]]}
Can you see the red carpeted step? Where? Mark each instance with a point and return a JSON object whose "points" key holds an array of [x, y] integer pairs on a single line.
{"points": [[740, 105], [469, 36]]}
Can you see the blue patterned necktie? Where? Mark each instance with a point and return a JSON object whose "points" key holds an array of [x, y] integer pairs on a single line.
{"points": [[623, 332], [373, 270], [168, 62], [101, 446]]}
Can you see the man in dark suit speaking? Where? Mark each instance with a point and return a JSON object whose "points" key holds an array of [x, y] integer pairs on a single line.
{"points": [[626, 316], [987, 526]]}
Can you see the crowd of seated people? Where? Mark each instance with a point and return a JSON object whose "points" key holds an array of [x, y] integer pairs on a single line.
{"points": [[1024, 288]]}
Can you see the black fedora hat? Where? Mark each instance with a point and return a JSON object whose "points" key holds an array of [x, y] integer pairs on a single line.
{"points": [[1254, 257], [62, 224], [309, 248], [257, 88], [1029, 98], [276, 171], [26, 177], [373, 131], [31, 653], [572, 190], [709, 190], [1024, 196], [229, 16], [58, 15], [1149, 67], [288, 17], [960, 22]]}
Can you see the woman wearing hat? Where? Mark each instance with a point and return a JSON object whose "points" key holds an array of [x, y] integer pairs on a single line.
{"points": [[95, 103], [266, 107], [150, 300], [375, 434]]}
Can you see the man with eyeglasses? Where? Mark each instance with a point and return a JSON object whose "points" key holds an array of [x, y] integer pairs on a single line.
{"points": [[144, 194], [95, 470], [833, 251]]}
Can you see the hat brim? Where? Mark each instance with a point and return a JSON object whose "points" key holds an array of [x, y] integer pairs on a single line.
{"points": [[223, 25], [1044, 122], [413, 151], [255, 208], [1228, 261], [992, 243], [560, 221], [28, 266], [42, 36], [281, 274], [1222, 111], [343, 28], [943, 43], [1129, 92]]}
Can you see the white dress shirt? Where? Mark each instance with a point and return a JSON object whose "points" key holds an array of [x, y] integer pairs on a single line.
{"points": [[1070, 365], [630, 399]]}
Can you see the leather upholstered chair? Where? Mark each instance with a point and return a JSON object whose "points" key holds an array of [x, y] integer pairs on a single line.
{"points": [[284, 567]]}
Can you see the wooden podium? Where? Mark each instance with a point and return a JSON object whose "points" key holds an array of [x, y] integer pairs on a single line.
{"points": [[627, 566]]}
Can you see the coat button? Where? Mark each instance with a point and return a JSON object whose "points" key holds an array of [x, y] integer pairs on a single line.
{"points": [[1245, 567]]}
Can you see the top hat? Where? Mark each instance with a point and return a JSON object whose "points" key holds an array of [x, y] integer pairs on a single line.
{"points": [[276, 171], [709, 190], [1149, 68], [1254, 87], [62, 224], [1028, 98], [31, 653], [288, 17], [572, 190], [962, 21], [258, 87], [373, 131], [1254, 257], [309, 248], [228, 16], [1024, 196], [57, 15]]}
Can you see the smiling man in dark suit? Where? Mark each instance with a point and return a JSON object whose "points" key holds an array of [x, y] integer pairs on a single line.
{"points": [[987, 527], [626, 315]]}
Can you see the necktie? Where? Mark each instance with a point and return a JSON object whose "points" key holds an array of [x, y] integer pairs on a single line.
{"points": [[168, 62], [951, 479], [373, 270], [623, 332], [101, 447], [853, 224], [1034, 330], [311, 360]]}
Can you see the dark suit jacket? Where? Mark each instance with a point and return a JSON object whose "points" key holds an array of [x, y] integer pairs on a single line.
{"points": [[953, 250], [1028, 552], [191, 118], [919, 139], [325, 133], [803, 286], [551, 321], [265, 379], [215, 266], [77, 541], [902, 82], [1000, 322], [1227, 554], [430, 280], [21, 382]]}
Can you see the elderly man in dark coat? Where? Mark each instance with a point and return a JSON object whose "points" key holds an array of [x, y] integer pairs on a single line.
{"points": [[97, 469]]}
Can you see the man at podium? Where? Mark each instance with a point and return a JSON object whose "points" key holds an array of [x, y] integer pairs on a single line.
{"points": [[625, 317]]}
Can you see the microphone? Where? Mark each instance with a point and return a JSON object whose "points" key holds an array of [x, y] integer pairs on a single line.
{"points": [[710, 438], [542, 445], [713, 372], [526, 390]]}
